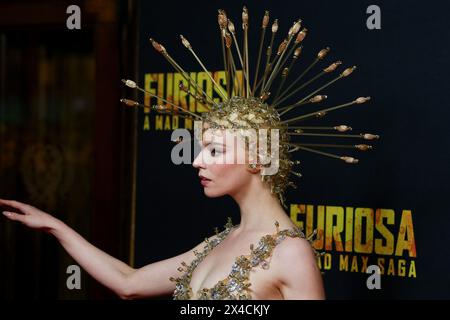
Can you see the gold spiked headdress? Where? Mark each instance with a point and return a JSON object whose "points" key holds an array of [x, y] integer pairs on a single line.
{"points": [[248, 103]]}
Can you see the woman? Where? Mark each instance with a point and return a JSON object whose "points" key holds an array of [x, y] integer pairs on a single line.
{"points": [[266, 256], [215, 268]]}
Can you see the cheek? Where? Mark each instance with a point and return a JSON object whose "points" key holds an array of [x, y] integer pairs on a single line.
{"points": [[228, 175], [222, 170]]}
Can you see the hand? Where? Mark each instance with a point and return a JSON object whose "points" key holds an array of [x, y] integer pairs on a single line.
{"points": [[28, 215]]}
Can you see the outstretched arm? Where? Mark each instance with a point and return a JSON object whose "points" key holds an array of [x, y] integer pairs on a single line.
{"points": [[125, 281]]}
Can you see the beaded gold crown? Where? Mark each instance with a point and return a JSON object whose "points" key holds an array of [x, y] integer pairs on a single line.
{"points": [[248, 103]]}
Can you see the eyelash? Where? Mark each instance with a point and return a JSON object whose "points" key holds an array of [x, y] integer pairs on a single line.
{"points": [[215, 151]]}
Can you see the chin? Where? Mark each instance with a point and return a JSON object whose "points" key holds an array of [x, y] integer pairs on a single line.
{"points": [[212, 194]]}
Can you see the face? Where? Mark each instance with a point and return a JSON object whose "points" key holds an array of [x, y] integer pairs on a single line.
{"points": [[222, 162]]}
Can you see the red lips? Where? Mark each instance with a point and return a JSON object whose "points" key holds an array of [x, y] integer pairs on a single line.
{"points": [[204, 181]]}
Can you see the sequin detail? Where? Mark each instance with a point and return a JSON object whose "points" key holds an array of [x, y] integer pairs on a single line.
{"points": [[236, 285]]}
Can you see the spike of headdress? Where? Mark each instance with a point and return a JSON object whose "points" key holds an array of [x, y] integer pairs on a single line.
{"points": [[248, 104]]}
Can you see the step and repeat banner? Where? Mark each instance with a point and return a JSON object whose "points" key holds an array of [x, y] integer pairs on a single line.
{"points": [[389, 212]]}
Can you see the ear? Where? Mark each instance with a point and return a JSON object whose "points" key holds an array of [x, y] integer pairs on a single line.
{"points": [[254, 168]]}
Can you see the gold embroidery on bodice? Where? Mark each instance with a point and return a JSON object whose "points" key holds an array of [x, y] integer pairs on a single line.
{"points": [[236, 285]]}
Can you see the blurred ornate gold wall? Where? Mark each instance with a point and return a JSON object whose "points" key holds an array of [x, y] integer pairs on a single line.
{"points": [[62, 145]]}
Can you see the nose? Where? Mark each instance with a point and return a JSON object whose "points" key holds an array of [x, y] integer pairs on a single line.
{"points": [[198, 161]]}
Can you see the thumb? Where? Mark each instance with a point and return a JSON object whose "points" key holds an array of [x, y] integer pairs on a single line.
{"points": [[12, 216]]}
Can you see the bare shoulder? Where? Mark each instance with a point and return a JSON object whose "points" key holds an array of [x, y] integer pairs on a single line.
{"points": [[295, 266], [295, 248], [294, 254]]}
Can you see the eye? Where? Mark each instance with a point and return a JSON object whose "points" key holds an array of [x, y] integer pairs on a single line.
{"points": [[215, 151]]}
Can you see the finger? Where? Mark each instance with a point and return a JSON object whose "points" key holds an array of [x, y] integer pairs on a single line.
{"points": [[14, 204], [13, 216]]}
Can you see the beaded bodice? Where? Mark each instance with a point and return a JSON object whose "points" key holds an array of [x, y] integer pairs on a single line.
{"points": [[236, 285]]}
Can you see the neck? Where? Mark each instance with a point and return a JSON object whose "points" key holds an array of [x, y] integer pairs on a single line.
{"points": [[259, 208]]}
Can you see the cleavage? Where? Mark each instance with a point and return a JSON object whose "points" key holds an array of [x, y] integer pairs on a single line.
{"points": [[215, 267]]}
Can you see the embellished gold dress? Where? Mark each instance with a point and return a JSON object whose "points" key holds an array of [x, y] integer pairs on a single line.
{"points": [[236, 285]]}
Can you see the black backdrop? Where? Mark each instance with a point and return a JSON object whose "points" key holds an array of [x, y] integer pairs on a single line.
{"points": [[403, 67]]}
